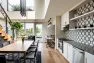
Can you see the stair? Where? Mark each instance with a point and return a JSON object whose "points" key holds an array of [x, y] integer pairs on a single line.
{"points": [[4, 37]]}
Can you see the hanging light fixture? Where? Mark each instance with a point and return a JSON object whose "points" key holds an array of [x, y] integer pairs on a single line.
{"points": [[23, 7]]}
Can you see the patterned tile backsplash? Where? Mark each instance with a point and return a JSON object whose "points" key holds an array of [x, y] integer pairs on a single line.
{"points": [[87, 7], [82, 36], [84, 39]]}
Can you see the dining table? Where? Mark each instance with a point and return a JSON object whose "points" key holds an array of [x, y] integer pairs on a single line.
{"points": [[17, 47]]}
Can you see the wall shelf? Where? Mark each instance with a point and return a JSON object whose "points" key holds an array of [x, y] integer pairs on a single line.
{"points": [[82, 15], [82, 28]]}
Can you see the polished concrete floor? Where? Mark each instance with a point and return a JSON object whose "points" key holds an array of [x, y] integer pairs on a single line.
{"points": [[50, 55]]}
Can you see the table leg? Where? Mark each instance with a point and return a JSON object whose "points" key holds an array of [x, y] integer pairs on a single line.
{"points": [[24, 57]]}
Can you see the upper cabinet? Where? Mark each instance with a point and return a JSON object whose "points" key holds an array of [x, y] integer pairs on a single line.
{"points": [[81, 17], [64, 20]]}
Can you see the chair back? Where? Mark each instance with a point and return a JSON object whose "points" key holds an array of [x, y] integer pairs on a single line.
{"points": [[2, 59]]}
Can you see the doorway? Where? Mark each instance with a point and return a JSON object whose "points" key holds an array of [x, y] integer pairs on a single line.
{"points": [[38, 31]]}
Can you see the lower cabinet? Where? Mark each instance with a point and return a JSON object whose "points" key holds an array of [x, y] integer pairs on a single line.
{"points": [[68, 52], [65, 50], [89, 58], [78, 55]]}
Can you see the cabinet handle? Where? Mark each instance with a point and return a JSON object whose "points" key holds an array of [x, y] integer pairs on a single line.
{"points": [[82, 52]]}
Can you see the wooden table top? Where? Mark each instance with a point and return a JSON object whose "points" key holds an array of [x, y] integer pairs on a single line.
{"points": [[17, 46]]}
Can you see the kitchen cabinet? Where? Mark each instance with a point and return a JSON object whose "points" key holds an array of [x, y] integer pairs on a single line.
{"points": [[64, 20], [78, 56], [89, 58], [75, 55], [68, 51], [65, 50], [60, 46]]}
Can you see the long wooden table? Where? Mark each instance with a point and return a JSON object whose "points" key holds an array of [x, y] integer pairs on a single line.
{"points": [[17, 47]]}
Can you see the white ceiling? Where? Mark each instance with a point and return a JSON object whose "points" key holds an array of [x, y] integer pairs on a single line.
{"points": [[58, 7]]}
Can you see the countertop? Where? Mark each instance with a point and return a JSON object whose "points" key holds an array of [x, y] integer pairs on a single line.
{"points": [[81, 46]]}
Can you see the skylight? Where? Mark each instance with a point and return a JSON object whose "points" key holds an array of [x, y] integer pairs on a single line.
{"points": [[15, 5]]}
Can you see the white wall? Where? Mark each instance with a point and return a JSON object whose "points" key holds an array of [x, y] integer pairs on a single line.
{"points": [[39, 5], [46, 5], [58, 32], [44, 32]]}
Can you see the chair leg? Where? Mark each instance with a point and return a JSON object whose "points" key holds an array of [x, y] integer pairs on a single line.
{"points": [[34, 60], [30, 60]]}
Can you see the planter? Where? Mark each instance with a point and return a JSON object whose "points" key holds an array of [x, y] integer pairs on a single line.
{"points": [[22, 39]]}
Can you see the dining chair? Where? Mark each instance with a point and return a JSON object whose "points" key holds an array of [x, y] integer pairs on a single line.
{"points": [[2, 59], [31, 53], [34, 47], [10, 57]]}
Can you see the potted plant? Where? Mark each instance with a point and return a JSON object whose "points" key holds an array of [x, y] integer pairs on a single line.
{"points": [[16, 26], [16, 8], [22, 34]]}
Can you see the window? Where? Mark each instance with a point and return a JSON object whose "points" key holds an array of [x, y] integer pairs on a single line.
{"points": [[15, 5], [30, 5], [29, 28], [38, 30]]}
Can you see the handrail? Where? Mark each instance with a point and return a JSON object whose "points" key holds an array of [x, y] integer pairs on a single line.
{"points": [[10, 22]]}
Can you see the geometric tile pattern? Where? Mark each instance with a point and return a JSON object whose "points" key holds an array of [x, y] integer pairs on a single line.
{"points": [[87, 7], [83, 36], [87, 21]]}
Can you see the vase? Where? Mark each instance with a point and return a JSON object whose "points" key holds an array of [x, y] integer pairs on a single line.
{"points": [[23, 40]]}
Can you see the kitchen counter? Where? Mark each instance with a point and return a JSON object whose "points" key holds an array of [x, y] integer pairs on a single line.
{"points": [[81, 46]]}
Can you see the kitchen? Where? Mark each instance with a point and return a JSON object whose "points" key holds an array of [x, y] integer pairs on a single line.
{"points": [[77, 44]]}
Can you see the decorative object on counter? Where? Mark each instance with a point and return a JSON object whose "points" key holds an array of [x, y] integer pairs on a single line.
{"points": [[91, 25], [23, 39], [79, 26], [84, 26], [75, 27]]}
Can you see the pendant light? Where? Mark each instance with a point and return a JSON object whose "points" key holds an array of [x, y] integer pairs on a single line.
{"points": [[23, 7]]}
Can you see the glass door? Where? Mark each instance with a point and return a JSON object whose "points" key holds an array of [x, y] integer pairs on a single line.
{"points": [[38, 31]]}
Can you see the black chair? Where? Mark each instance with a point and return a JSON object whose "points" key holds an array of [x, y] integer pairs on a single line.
{"points": [[35, 44], [10, 57], [31, 38], [31, 56], [31, 53], [2, 59], [33, 48]]}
